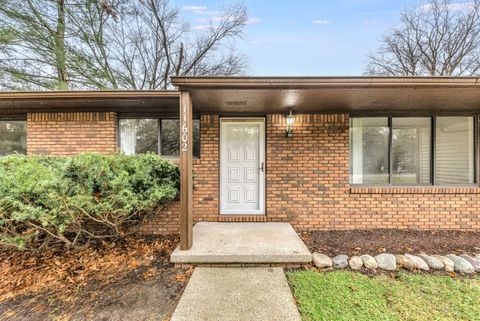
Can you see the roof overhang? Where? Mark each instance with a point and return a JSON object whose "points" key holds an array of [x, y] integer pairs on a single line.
{"points": [[262, 95], [128, 102], [231, 95]]}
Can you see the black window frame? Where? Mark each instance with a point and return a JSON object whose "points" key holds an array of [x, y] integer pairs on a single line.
{"points": [[159, 121], [17, 117], [433, 118]]}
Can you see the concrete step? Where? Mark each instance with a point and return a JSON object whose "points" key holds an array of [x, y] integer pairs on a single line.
{"points": [[243, 243]]}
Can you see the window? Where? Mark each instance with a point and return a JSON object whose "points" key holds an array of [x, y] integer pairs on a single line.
{"points": [[138, 136], [13, 137], [411, 150], [170, 137], [454, 150], [369, 150], [400, 150]]}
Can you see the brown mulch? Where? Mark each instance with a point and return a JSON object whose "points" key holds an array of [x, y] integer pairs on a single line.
{"points": [[372, 242], [116, 280]]}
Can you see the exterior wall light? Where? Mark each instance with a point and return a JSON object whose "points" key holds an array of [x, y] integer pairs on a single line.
{"points": [[290, 122]]}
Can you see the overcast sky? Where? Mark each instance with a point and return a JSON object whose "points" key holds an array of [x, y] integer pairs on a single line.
{"points": [[307, 38]]}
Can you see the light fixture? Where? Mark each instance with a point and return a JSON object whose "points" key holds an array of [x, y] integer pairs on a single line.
{"points": [[290, 122]]}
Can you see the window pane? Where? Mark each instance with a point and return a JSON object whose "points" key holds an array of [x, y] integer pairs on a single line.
{"points": [[369, 150], [170, 137], [411, 150], [147, 136], [138, 136], [196, 137], [454, 150], [13, 137]]}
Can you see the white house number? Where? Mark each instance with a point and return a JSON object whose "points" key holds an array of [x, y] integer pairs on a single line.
{"points": [[184, 130]]}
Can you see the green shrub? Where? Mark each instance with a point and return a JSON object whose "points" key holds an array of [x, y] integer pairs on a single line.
{"points": [[74, 200]]}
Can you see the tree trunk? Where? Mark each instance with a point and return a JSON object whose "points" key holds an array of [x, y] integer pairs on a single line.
{"points": [[60, 46]]}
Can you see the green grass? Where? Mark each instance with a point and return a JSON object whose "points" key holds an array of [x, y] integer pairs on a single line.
{"points": [[344, 295]]}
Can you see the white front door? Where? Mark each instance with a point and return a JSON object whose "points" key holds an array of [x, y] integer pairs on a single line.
{"points": [[242, 166]]}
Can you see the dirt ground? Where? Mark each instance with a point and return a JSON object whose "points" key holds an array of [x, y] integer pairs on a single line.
{"points": [[393, 241], [132, 298], [132, 281]]}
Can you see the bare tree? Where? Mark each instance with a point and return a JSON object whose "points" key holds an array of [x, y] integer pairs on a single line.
{"points": [[439, 38], [119, 44], [33, 44], [171, 48], [90, 54]]}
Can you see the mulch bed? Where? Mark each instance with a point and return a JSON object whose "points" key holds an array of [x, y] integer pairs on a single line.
{"points": [[358, 242], [115, 280]]}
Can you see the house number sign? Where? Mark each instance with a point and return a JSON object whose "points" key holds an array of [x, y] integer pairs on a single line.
{"points": [[184, 137]]}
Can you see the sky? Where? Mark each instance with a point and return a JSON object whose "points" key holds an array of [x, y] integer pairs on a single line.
{"points": [[306, 38]]}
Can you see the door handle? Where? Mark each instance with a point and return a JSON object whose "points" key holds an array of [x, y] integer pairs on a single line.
{"points": [[261, 167]]}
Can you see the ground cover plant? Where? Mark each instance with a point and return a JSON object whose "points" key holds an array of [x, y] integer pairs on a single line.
{"points": [[71, 201], [346, 295]]}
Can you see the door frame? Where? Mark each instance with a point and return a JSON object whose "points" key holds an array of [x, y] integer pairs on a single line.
{"points": [[262, 156]]}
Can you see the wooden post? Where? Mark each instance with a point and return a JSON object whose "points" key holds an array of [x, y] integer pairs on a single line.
{"points": [[186, 171]]}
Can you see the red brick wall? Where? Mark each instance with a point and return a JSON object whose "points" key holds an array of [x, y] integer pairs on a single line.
{"points": [[71, 133], [307, 185], [164, 221], [307, 174]]}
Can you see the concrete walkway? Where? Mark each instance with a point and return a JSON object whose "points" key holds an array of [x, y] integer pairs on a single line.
{"points": [[237, 294], [247, 243]]}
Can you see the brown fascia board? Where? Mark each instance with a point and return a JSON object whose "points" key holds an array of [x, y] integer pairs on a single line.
{"points": [[79, 94], [185, 83], [91, 100]]}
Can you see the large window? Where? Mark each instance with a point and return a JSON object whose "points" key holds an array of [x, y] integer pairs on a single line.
{"points": [[13, 137], [400, 150], [138, 136]]}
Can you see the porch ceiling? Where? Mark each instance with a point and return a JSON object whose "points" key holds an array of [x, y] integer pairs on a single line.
{"points": [[261, 95]]}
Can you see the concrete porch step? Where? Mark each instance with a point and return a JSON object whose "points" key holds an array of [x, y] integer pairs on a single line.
{"points": [[243, 243]]}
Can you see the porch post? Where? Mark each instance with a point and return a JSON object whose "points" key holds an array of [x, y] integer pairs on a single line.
{"points": [[186, 171]]}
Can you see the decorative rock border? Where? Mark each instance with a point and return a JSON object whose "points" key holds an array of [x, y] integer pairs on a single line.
{"points": [[463, 264]]}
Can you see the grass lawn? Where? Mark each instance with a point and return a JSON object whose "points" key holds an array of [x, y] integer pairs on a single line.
{"points": [[345, 295]]}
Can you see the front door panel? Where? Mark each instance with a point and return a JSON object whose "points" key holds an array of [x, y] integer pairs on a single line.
{"points": [[242, 157]]}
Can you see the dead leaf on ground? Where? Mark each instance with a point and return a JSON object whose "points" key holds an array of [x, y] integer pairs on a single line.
{"points": [[151, 272], [57, 271]]}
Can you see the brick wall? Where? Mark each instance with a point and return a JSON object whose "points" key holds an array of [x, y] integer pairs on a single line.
{"points": [[71, 133], [307, 185], [164, 221], [307, 174]]}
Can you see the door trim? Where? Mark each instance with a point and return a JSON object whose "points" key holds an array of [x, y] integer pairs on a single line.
{"points": [[262, 176]]}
